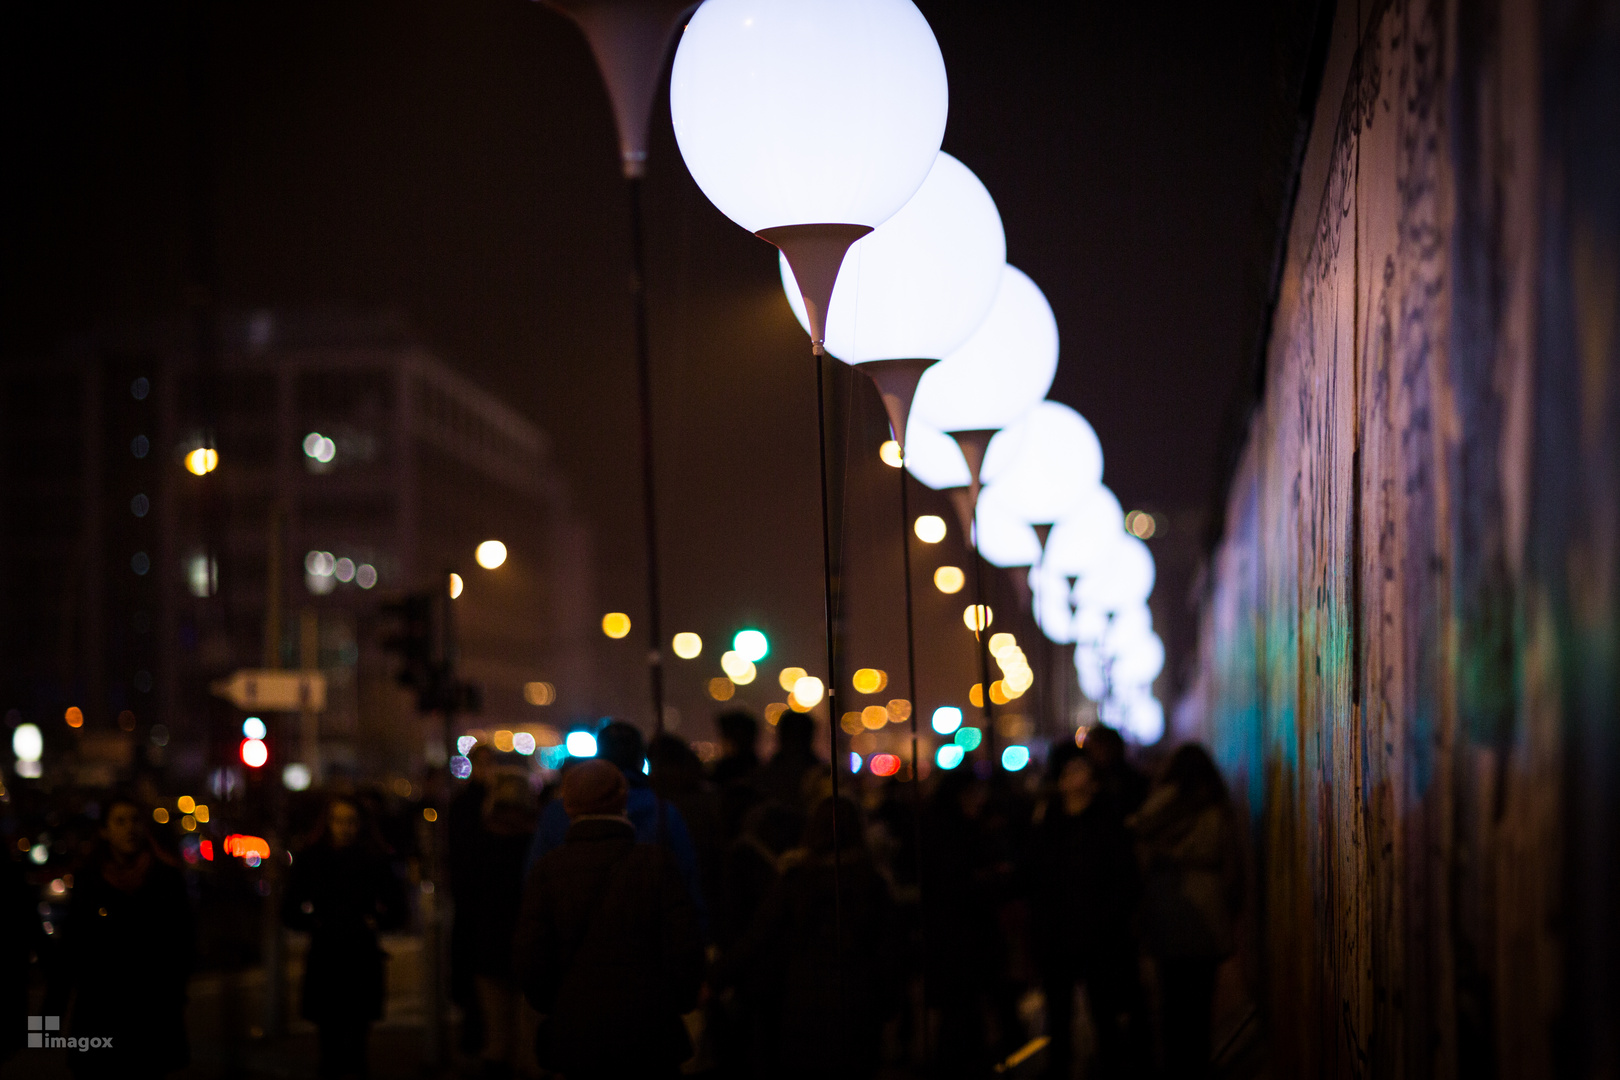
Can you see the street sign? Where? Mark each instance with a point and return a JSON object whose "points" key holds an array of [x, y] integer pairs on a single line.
{"points": [[274, 691]]}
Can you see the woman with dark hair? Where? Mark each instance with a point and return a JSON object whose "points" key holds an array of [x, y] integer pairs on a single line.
{"points": [[342, 890], [837, 984], [1083, 885], [127, 951], [1191, 888]]}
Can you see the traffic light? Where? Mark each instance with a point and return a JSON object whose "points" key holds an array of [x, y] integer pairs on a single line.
{"points": [[413, 642], [425, 645]]}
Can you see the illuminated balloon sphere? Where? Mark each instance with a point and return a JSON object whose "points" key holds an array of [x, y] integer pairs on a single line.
{"points": [[999, 373], [1049, 593], [1002, 537], [1045, 463], [1122, 576], [1096, 626], [1137, 662], [920, 284], [796, 112], [934, 458], [1084, 533]]}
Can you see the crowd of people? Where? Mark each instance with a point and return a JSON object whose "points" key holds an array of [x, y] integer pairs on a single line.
{"points": [[741, 921], [645, 915]]}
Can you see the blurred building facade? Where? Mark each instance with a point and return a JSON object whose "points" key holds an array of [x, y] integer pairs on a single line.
{"points": [[353, 468]]}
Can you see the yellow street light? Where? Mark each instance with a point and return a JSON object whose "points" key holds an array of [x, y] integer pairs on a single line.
{"points": [[869, 681], [687, 645], [202, 461], [809, 691], [930, 528], [615, 624], [949, 579]]}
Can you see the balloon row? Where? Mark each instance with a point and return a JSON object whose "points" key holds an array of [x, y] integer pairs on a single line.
{"points": [[819, 122]]}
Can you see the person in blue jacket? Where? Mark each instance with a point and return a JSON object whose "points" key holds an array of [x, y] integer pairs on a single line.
{"points": [[656, 820]]}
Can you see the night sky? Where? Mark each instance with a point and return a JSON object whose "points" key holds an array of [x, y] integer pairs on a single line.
{"points": [[456, 162]]}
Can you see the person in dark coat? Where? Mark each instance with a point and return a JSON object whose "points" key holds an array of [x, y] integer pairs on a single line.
{"points": [[20, 935], [608, 948], [790, 776], [464, 826], [490, 907], [127, 953], [342, 890], [655, 819], [1192, 885], [962, 889], [1083, 888], [825, 944], [676, 775], [1119, 780], [736, 774]]}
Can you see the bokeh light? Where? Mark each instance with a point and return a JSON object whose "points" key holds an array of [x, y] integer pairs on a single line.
{"points": [[809, 691], [1000, 643], [854, 762], [580, 744], [296, 777], [890, 454], [949, 756], [899, 709], [774, 711], [875, 717], [456, 585], [490, 554], [254, 753], [254, 728], [539, 693], [615, 624], [202, 461], [1014, 758], [738, 668], [947, 718], [969, 738], [978, 617], [930, 528], [884, 764], [751, 645], [790, 677], [851, 723], [949, 579], [722, 689], [870, 680], [687, 645], [503, 741], [1141, 524], [74, 716], [27, 742], [523, 742]]}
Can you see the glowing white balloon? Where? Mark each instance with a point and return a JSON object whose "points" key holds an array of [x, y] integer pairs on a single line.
{"points": [[1122, 576], [1137, 662], [1085, 533], [1000, 536], [999, 373], [1045, 464], [934, 458], [1049, 597], [792, 112], [1088, 665], [1109, 629], [920, 284]]}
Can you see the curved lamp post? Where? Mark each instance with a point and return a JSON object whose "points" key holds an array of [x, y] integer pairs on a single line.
{"points": [[629, 39], [911, 292]]}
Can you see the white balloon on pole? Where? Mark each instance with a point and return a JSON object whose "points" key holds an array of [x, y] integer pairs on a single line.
{"points": [[1049, 597], [934, 458], [1000, 536], [1084, 534], [999, 373], [922, 282], [795, 112], [1122, 576], [1045, 464]]}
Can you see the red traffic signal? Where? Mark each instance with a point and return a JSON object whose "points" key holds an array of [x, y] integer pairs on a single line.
{"points": [[254, 753]]}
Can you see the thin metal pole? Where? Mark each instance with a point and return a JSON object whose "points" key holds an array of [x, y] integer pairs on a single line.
{"points": [[983, 636], [832, 697], [649, 499], [916, 761]]}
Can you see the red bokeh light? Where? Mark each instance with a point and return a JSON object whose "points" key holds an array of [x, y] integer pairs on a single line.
{"points": [[885, 764]]}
